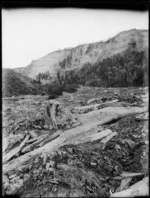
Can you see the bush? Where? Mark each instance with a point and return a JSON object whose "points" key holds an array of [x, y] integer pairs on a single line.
{"points": [[70, 88], [55, 90], [129, 98]]}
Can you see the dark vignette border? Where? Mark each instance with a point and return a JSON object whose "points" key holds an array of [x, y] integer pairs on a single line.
{"points": [[133, 5], [139, 5]]}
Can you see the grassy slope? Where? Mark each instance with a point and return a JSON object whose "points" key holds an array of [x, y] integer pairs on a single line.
{"points": [[16, 84]]}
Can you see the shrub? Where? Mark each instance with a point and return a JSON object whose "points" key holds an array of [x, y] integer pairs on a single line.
{"points": [[55, 90], [129, 98], [70, 88]]}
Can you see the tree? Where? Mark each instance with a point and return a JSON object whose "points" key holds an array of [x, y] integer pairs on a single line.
{"points": [[39, 77]]}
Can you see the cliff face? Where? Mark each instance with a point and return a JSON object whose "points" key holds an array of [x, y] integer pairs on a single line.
{"points": [[77, 57]]}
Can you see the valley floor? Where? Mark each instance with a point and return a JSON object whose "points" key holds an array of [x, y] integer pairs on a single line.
{"points": [[100, 148]]}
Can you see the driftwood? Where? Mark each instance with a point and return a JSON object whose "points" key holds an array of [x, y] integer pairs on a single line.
{"points": [[127, 174], [31, 140], [33, 134], [20, 121], [52, 137], [85, 109], [124, 175], [88, 108], [9, 142], [16, 150], [24, 141], [33, 145], [99, 118], [110, 114], [143, 117], [12, 153], [109, 137], [124, 184], [25, 160], [91, 135], [93, 107], [93, 100], [5, 143], [35, 142], [141, 188]]}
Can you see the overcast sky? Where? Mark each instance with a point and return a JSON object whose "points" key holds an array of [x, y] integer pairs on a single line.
{"points": [[29, 34]]}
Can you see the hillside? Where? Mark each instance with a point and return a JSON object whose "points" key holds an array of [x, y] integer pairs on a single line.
{"points": [[77, 57], [15, 84], [129, 68]]}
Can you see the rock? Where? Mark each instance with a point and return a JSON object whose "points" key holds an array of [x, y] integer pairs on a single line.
{"points": [[117, 147], [26, 177], [5, 182], [47, 166], [12, 176], [129, 142], [93, 163], [10, 190]]}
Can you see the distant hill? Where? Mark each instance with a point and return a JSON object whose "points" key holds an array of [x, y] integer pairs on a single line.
{"points": [[78, 57], [15, 84], [119, 61]]}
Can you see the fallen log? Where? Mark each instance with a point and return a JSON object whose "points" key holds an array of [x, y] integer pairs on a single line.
{"points": [[141, 188], [124, 175], [127, 174], [15, 151], [33, 145], [31, 140], [143, 117], [33, 134], [12, 153], [52, 137], [84, 138], [99, 118], [110, 114], [88, 108], [24, 141], [20, 121], [9, 142], [85, 109], [93, 100], [26, 160], [109, 137], [124, 184]]}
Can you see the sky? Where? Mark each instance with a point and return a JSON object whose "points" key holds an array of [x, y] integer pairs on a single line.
{"points": [[29, 34]]}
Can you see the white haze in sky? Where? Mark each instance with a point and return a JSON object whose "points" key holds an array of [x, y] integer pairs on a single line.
{"points": [[29, 34]]}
